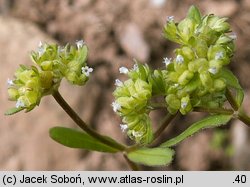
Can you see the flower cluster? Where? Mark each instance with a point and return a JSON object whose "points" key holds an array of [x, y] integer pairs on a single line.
{"points": [[54, 63], [194, 77], [132, 99]]}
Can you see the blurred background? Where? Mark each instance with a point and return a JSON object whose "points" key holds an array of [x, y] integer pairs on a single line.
{"points": [[115, 32]]}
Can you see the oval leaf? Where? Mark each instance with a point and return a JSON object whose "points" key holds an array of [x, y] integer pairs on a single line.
{"points": [[209, 122], [152, 156], [75, 139]]}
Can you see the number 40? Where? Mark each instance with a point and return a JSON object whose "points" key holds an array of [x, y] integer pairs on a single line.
{"points": [[240, 179]]}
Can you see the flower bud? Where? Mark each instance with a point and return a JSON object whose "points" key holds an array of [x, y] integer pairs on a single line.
{"points": [[185, 105], [185, 77], [173, 103]]}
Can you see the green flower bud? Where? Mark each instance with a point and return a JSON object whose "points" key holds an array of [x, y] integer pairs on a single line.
{"points": [[185, 105], [170, 32], [13, 94], [173, 103], [186, 29], [198, 65], [139, 128], [185, 77], [219, 84], [46, 78], [201, 48], [217, 52], [206, 80], [217, 24], [139, 71]]}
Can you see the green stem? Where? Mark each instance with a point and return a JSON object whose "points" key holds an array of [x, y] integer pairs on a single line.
{"points": [[213, 110], [164, 124], [244, 118], [132, 165], [74, 116], [231, 100]]}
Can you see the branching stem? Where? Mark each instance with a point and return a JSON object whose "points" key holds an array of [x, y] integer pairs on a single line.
{"points": [[74, 116]]}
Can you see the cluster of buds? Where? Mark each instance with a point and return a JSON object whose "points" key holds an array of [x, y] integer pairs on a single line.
{"points": [[194, 75], [132, 98], [54, 63], [192, 78]]}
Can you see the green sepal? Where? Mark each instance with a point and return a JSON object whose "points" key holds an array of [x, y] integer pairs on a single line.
{"points": [[194, 13], [12, 111], [75, 139], [208, 122], [232, 82], [152, 156]]}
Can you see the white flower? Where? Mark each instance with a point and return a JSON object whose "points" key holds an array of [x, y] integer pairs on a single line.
{"points": [[10, 82], [116, 106], [118, 82], [213, 70], [40, 49], [170, 18], [86, 70], [124, 127], [233, 36], [179, 59], [184, 104], [60, 49], [135, 67], [167, 61], [136, 134], [123, 70], [219, 55], [79, 44], [19, 104]]}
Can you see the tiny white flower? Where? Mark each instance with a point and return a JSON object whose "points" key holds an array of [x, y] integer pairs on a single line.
{"points": [[167, 61], [40, 49], [79, 44], [213, 70], [19, 104], [60, 49], [219, 55], [10, 82], [135, 67], [136, 134], [123, 70], [179, 59], [184, 104], [233, 36], [118, 82], [116, 106], [124, 127], [87, 70], [170, 18]]}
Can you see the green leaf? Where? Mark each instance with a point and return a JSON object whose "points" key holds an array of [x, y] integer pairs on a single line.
{"points": [[209, 122], [12, 111], [194, 13], [152, 156], [233, 82], [75, 139]]}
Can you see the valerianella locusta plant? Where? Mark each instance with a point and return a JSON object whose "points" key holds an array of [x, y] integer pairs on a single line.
{"points": [[195, 78]]}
